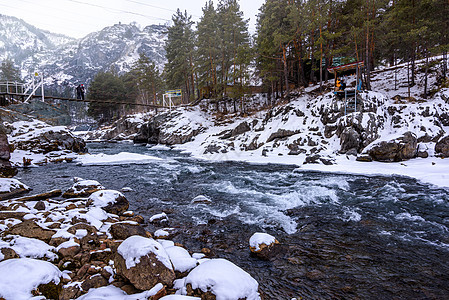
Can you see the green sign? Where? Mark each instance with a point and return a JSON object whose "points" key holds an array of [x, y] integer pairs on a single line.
{"points": [[174, 92]]}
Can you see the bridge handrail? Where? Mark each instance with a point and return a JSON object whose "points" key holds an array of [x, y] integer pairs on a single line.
{"points": [[13, 86]]}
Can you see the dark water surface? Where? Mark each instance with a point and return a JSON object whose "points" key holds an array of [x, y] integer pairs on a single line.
{"points": [[342, 236]]}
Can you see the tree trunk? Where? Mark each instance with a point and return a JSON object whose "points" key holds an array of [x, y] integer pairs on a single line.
{"points": [[284, 62]]}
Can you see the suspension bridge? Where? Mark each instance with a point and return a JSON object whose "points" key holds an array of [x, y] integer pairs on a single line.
{"points": [[21, 92]]}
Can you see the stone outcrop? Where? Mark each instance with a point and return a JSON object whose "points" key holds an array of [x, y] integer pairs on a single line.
{"points": [[51, 140], [6, 170], [399, 149], [442, 147]]}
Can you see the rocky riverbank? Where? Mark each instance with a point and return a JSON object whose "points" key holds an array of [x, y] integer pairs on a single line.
{"points": [[84, 243]]}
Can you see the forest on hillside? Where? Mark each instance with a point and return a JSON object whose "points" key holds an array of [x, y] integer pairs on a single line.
{"points": [[294, 44]]}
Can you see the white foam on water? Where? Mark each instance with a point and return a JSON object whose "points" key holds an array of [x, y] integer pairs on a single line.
{"points": [[351, 215], [407, 216]]}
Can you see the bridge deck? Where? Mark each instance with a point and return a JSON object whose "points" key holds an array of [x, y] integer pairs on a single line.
{"points": [[85, 100]]}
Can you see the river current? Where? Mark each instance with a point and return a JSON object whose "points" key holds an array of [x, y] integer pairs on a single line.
{"points": [[342, 236]]}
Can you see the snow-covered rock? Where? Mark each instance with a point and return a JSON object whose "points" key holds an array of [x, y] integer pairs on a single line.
{"points": [[144, 262], [262, 244], [111, 201], [181, 259], [21, 276], [221, 278], [83, 188]]}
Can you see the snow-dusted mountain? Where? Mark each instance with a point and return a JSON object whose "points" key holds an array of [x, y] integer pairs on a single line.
{"points": [[19, 40], [66, 61]]}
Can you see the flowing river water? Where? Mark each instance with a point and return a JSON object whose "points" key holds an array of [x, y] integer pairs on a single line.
{"points": [[342, 236]]}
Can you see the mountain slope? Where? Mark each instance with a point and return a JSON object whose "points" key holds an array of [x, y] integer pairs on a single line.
{"points": [[67, 62]]}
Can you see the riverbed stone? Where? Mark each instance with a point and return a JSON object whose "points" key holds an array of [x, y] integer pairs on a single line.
{"points": [[83, 188], [30, 229], [122, 231], [263, 245], [399, 149], [111, 201], [148, 268]]}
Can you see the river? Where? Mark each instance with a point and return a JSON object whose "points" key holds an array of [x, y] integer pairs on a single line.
{"points": [[342, 236]]}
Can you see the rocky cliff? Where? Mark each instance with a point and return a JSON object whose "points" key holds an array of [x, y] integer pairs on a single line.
{"points": [[315, 129]]}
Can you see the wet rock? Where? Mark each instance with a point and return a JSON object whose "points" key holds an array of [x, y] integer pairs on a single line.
{"points": [[263, 245], [83, 188], [122, 231], [110, 201], [442, 147], [30, 229], [201, 199], [159, 219], [212, 148], [144, 262], [400, 149], [138, 219]]}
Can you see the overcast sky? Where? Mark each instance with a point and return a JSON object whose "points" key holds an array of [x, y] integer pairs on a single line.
{"points": [[77, 18]]}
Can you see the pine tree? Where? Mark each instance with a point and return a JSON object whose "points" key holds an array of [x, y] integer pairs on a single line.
{"points": [[148, 80], [208, 51], [275, 39], [8, 72], [106, 86], [233, 33], [180, 46]]}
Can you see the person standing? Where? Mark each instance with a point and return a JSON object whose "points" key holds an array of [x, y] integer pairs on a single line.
{"points": [[82, 91], [78, 92]]}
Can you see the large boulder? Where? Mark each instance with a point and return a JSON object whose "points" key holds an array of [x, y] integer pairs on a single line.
{"points": [[23, 278], [49, 139], [220, 279], [399, 149], [442, 147], [349, 140], [144, 262]]}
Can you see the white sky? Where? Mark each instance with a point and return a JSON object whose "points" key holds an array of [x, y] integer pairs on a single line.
{"points": [[77, 18]]}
